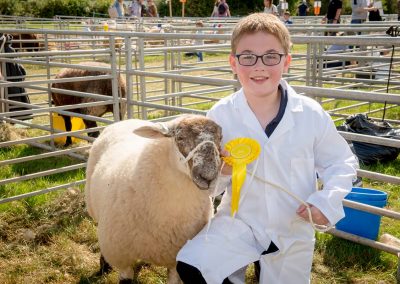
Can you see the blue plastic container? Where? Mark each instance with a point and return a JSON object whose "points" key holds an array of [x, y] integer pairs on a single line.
{"points": [[359, 222]]}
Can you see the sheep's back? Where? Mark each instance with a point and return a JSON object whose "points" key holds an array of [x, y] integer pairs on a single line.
{"points": [[102, 87]]}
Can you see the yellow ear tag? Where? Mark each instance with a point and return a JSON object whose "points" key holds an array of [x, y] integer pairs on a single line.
{"points": [[242, 151]]}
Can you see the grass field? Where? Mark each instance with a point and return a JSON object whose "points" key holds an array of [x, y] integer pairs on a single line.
{"points": [[51, 239]]}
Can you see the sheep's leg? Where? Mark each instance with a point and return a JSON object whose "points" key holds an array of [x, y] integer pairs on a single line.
{"points": [[91, 124], [105, 267], [68, 127], [126, 276], [173, 277]]}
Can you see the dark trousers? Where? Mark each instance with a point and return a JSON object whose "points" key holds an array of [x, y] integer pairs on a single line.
{"points": [[191, 275]]}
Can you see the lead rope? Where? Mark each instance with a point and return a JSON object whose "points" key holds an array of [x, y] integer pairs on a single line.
{"points": [[190, 156], [319, 228], [316, 227]]}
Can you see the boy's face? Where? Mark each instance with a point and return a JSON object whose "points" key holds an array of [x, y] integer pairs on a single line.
{"points": [[259, 80]]}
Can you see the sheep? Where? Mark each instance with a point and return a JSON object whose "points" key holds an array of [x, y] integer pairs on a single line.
{"points": [[27, 42], [144, 197], [102, 87]]}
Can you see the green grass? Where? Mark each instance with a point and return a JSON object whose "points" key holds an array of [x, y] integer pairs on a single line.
{"points": [[20, 169], [64, 246]]}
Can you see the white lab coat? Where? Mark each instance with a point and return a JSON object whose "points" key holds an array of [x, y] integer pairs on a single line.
{"points": [[304, 142]]}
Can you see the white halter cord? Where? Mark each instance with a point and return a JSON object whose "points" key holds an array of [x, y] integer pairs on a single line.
{"points": [[191, 153], [184, 160], [190, 156]]}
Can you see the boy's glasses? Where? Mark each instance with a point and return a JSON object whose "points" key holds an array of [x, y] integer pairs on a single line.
{"points": [[269, 59]]}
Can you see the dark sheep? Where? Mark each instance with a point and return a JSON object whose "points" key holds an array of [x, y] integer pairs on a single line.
{"points": [[28, 42], [102, 87]]}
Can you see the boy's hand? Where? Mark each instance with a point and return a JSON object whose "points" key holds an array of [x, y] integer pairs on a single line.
{"points": [[227, 169], [317, 216]]}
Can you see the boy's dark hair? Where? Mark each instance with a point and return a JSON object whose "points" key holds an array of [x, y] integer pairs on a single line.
{"points": [[261, 22], [221, 9]]}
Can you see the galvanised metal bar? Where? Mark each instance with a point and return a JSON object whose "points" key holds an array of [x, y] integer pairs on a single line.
{"points": [[43, 173], [43, 191], [44, 155]]}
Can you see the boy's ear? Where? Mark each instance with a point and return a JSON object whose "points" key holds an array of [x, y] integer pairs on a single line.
{"points": [[288, 60], [232, 62]]}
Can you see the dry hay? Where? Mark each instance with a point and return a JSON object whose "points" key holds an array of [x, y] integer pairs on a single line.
{"points": [[10, 133], [67, 209]]}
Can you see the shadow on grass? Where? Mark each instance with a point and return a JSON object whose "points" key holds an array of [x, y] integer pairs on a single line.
{"points": [[94, 278]]}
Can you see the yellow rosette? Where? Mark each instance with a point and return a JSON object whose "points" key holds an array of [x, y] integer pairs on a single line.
{"points": [[242, 151]]}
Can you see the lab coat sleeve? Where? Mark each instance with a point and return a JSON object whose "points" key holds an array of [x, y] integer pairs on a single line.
{"points": [[336, 166]]}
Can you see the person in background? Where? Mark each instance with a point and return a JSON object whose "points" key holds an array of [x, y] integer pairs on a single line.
{"points": [[359, 11], [144, 11], [298, 139], [398, 10], [215, 9], [136, 8], [280, 9], [333, 12], [126, 10], [286, 18], [199, 25], [302, 9], [119, 5], [152, 8], [374, 13], [223, 9], [270, 8]]}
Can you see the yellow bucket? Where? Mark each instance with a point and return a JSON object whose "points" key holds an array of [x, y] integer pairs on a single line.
{"points": [[59, 123]]}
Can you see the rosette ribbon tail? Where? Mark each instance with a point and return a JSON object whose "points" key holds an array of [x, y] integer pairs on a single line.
{"points": [[238, 178]]}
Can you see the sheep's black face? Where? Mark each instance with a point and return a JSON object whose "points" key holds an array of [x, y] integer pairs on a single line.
{"points": [[206, 162]]}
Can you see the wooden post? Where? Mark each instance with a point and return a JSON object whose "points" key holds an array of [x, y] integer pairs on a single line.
{"points": [[170, 8]]}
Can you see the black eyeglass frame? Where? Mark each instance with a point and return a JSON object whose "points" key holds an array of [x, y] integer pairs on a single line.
{"points": [[260, 56]]}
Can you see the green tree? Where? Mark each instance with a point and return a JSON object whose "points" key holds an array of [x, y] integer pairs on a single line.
{"points": [[204, 8], [8, 7]]}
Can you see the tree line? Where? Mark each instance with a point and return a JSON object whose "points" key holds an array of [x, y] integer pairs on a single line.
{"points": [[193, 8]]}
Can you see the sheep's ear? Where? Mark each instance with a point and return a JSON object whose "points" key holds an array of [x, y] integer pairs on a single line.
{"points": [[153, 131]]}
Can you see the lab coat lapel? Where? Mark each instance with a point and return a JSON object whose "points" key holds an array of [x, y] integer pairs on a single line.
{"points": [[287, 122]]}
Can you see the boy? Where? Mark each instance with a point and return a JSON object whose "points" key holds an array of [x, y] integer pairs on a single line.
{"points": [[298, 139], [199, 24]]}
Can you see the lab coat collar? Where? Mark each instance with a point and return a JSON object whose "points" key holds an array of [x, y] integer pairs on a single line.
{"points": [[249, 119]]}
